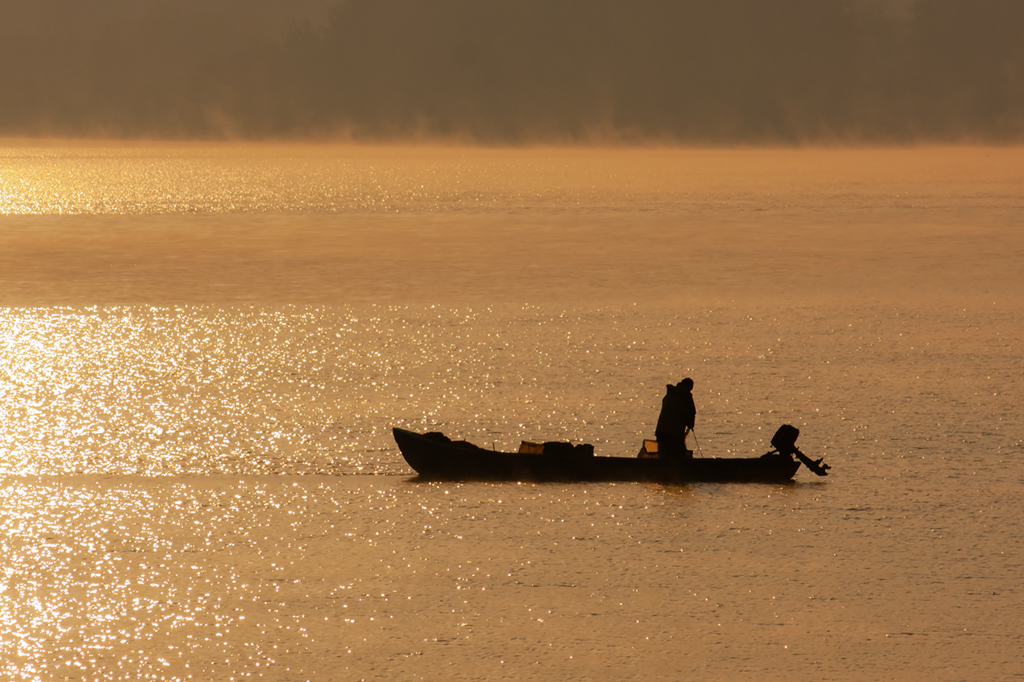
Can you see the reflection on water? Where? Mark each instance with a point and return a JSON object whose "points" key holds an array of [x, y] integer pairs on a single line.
{"points": [[307, 390], [215, 569], [263, 225], [285, 578], [182, 179], [93, 581], [197, 478]]}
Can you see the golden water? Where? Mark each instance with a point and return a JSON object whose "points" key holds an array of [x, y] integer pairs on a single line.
{"points": [[203, 349]]}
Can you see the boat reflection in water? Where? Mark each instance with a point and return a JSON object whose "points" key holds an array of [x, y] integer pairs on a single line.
{"points": [[435, 456]]}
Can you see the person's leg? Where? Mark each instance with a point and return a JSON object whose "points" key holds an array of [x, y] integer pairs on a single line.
{"points": [[670, 445]]}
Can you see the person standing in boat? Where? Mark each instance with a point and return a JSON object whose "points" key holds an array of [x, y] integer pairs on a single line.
{"points": [[678, 414]]}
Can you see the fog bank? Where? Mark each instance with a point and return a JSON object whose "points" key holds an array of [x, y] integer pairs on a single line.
{"points": [[516, 71]]}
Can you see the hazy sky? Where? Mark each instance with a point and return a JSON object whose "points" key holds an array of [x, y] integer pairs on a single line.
{"points": [[511, 71]]}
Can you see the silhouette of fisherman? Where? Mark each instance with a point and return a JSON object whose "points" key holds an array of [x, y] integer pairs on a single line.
{"points": [[676, 419]]}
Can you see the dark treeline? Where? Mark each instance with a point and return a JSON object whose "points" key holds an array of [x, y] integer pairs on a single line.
{"points": [[705, 71]]}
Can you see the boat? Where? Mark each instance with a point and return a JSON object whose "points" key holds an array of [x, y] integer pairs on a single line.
{"points": [[434, 456]]}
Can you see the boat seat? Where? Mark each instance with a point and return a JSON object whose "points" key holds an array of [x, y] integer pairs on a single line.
{"points": [[649, 450]]}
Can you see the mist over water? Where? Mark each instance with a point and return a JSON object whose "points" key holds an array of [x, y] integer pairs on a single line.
{"points": [[528, 71]]}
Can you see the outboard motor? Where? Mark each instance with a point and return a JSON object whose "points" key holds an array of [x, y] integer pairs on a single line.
{"points": [[784, 439]]}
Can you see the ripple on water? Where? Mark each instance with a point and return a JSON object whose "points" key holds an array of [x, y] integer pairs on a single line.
{"points": [[316, 390]]}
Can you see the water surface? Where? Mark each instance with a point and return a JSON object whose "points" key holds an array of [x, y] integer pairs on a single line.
{"points": [[203, 348]]}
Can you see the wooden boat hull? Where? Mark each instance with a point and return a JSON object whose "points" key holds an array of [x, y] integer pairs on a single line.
{"points": [[433, 458]]}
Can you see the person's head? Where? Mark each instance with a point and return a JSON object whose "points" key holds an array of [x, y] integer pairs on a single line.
{"points": [[686, 384]]}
